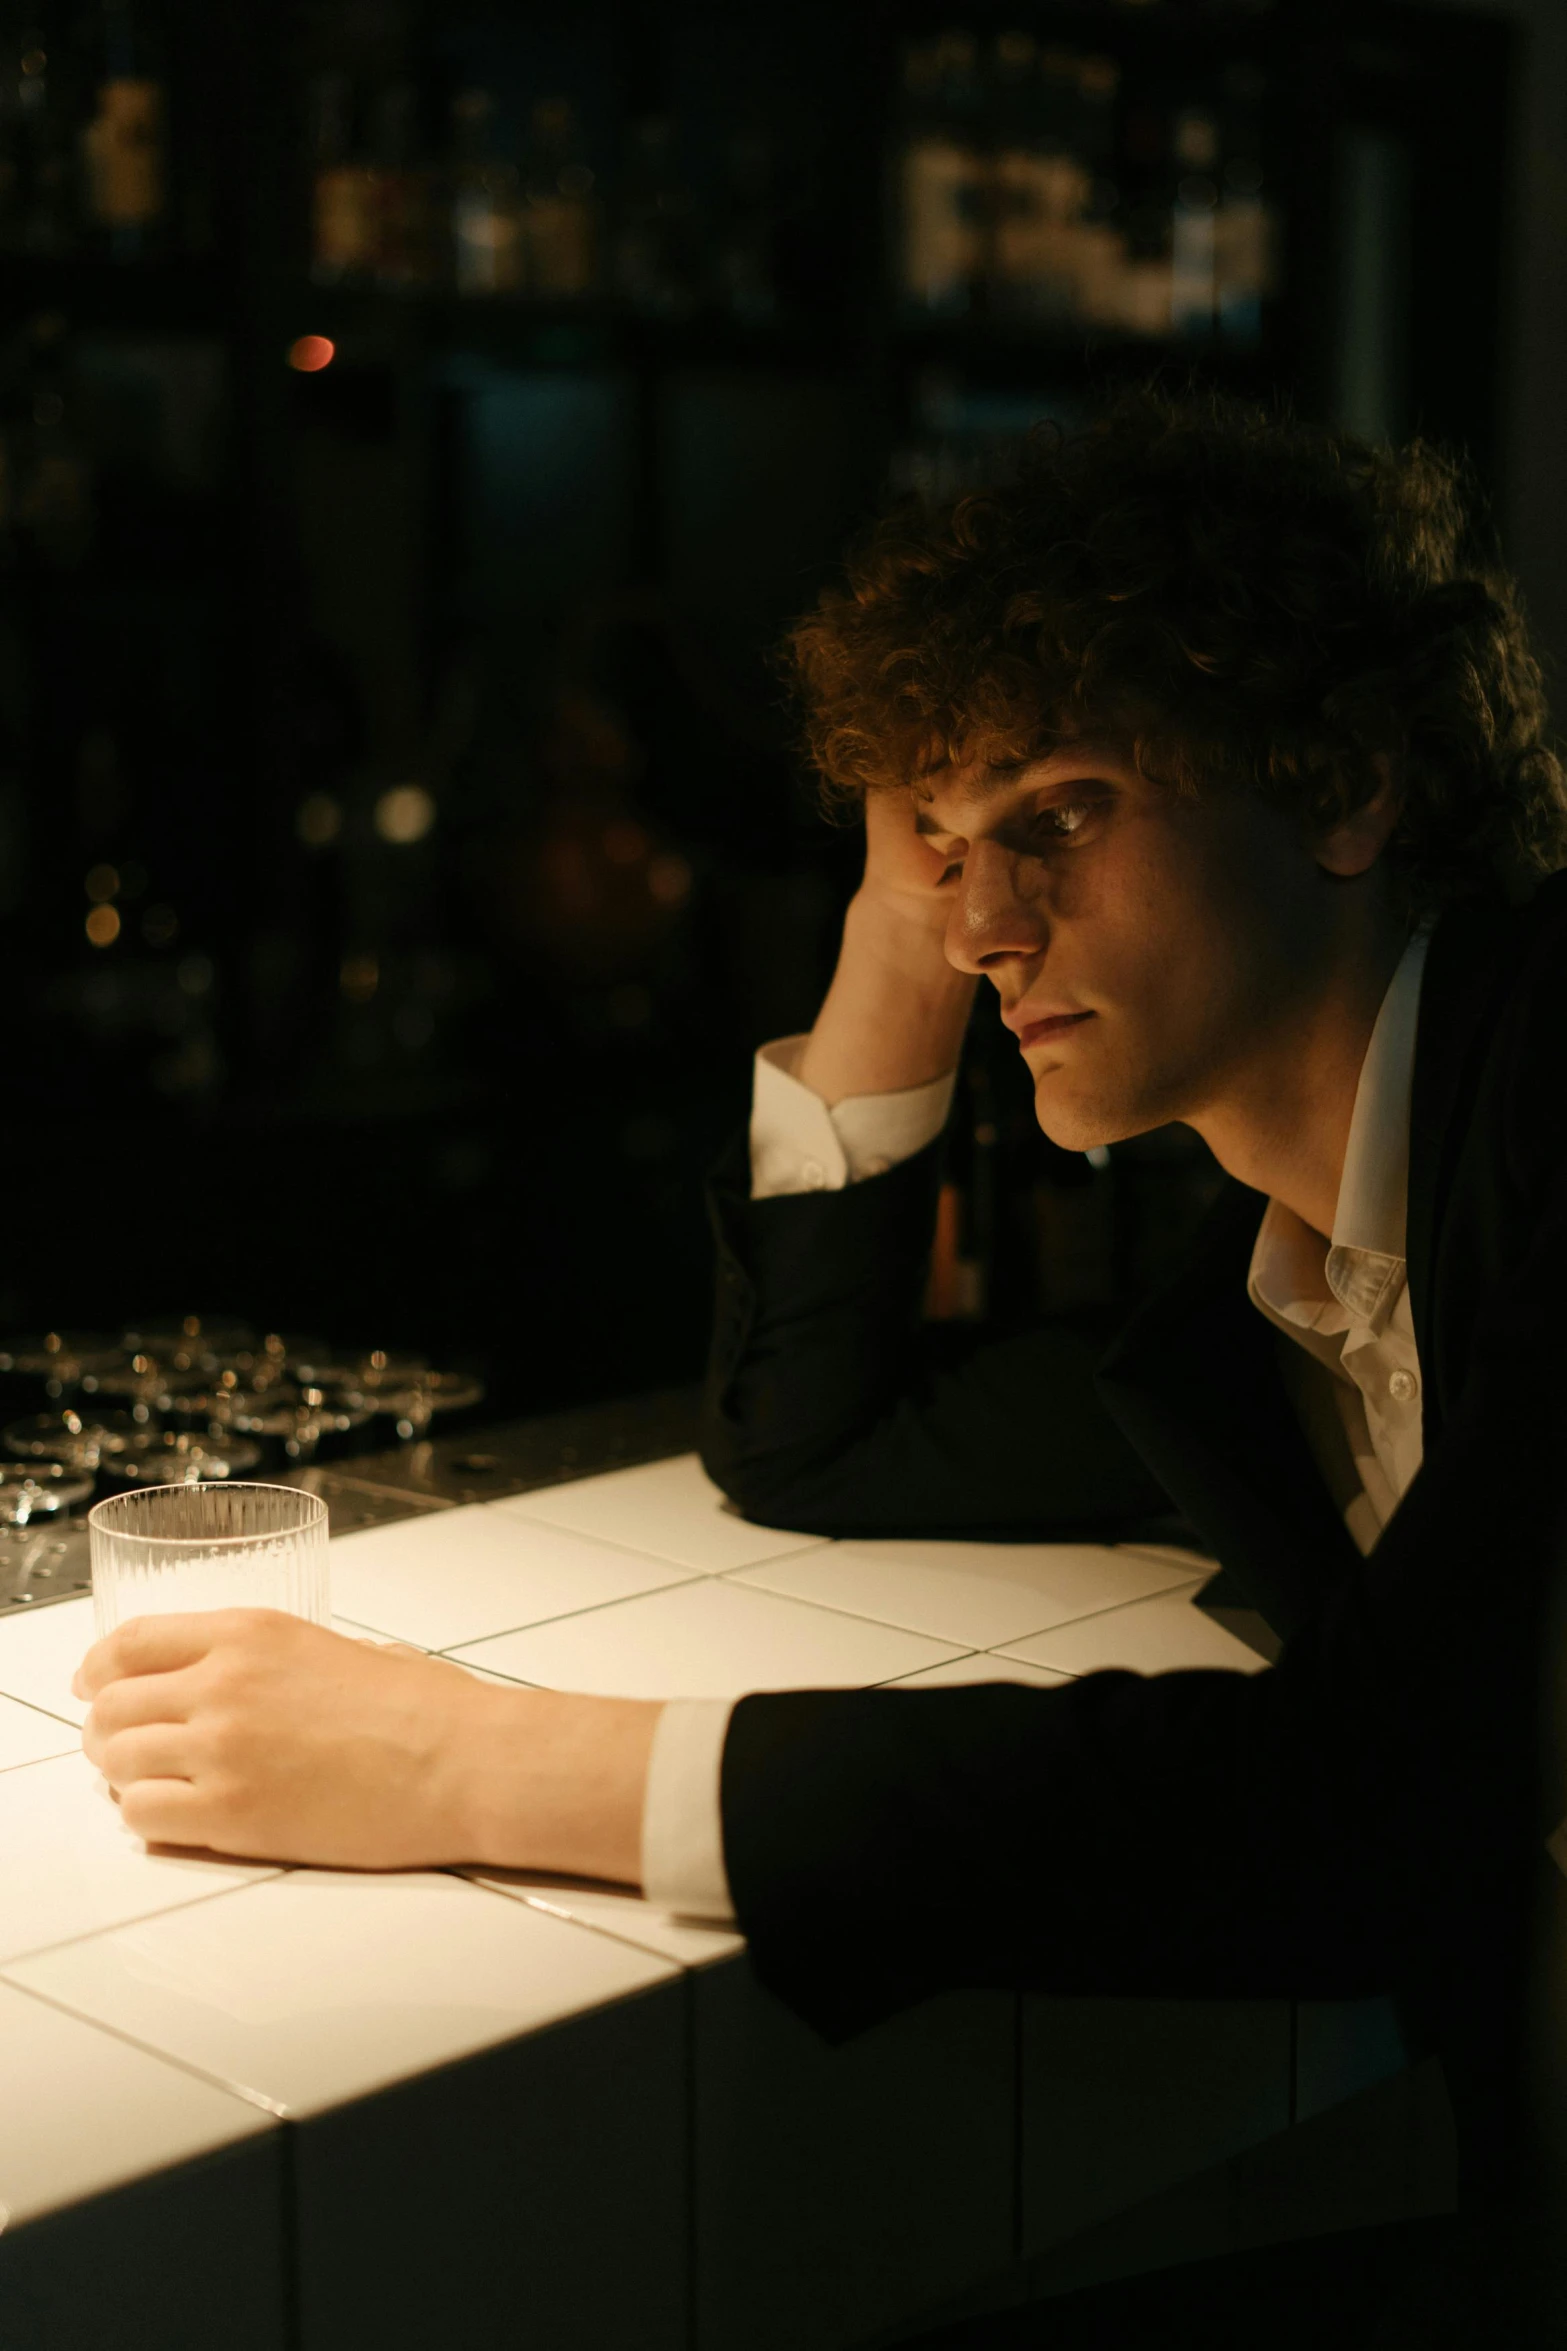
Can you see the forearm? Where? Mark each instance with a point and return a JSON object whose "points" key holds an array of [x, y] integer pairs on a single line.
{"points": [[895, 1013]]}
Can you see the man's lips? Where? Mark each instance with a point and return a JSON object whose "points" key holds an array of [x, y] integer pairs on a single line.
{"points": [[1041, 1031]]}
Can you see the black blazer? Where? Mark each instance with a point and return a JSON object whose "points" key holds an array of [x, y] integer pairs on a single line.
{"points": [[1366, 1814]]}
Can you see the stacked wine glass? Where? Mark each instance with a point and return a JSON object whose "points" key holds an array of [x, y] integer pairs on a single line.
{"points": [[181, 1402]]}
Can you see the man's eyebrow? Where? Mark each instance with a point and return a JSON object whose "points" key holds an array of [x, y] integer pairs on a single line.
{"points": [[1080, 757], [1083, 758]]}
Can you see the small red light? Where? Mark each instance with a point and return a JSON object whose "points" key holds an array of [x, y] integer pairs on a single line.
{"points": [[311, 353]]}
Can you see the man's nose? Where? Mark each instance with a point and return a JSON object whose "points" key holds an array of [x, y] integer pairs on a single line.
{"points": [[993, 920]]}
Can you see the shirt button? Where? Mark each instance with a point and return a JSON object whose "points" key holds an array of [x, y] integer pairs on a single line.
{"points": [[1402, 1385], [813, 1175]]}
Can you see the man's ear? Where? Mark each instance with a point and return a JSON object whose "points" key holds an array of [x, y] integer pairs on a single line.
{"points": [[1353, 846]]}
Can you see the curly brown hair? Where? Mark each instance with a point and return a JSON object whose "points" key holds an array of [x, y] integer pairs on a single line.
{"points": [[1238, 598]]}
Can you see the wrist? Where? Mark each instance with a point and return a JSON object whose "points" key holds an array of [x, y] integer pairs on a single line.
{"points": [[550, 1780], [908, 951], [896, 1012]]}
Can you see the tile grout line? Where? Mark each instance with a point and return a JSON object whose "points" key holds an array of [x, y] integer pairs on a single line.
{"points": [[996, 1648], [273, 1870], [594, 1926], [255, 2099], [598, 1607], [31, 1762], [510, 1502], [986, 1655], [1172, 1592], [534, 1623], [611, 1543], [826, 1607], [676, 1583], [47, 1712]]}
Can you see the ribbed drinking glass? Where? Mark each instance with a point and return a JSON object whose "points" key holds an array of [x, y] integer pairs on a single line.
{"points": [[163, 1549]]}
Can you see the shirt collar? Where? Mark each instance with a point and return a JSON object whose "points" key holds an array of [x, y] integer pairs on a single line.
{"points": [[1373, 1193], [1295, 1277]]}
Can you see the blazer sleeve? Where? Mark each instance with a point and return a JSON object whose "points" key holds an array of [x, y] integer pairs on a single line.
{"points": [[828, 1406], [1314, 1829]]}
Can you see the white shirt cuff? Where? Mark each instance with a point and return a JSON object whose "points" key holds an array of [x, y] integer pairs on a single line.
{"points": [[799, 1144], [682, 1819]]}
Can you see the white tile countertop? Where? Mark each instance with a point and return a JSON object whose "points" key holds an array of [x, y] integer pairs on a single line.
{"points": [[69, 1866], [187, 1999], [464, 1574], [320, 1986], [668, 1509], [977, 1594], [85, 2111]]}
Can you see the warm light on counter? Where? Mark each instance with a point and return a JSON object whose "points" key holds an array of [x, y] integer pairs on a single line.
{"points": [[309, 354]]}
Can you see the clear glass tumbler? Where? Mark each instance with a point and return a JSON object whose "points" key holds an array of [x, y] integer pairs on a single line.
{"points": [[162, 1549]]}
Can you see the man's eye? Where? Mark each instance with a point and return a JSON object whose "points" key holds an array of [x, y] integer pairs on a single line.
{"points": [[1063, 820]]}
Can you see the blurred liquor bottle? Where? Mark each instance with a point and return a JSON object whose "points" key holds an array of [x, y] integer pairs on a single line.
{"points": [[942, 180], [39, 207], [404, 192], [46, 474], [1245, 229], [746, 253], [1148, 186], [488, 250], [125, 140], [1194, 214], [1100, 233], [1044, 181], [344, 206], [658, 246], [560, 206]]}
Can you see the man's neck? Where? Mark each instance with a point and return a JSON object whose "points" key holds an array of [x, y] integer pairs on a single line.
{"points": [[1281, 1124]]}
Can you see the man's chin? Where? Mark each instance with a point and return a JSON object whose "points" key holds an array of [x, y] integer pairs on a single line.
{"points": [[1084, 1125]]}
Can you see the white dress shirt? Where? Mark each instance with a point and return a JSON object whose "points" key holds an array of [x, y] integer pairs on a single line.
{"points": [[1352, 1371], [1345, 1301]]}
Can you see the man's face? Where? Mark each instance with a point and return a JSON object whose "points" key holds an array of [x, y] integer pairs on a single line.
{"points": [[1149, 948]]}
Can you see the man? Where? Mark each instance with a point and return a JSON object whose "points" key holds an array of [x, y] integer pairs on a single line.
{"points": [[1215, 745]]}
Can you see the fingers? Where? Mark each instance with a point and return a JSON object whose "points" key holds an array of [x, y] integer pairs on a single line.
{"points": [[156, 1751], [169, 1812], [162, 1644], [897, 853], [145, 1644], [143, 1697]]}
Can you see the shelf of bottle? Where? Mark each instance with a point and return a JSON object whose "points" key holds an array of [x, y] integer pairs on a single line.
{"points": [[195, 293], [365, 324], [373, 324], [1024, 344]]}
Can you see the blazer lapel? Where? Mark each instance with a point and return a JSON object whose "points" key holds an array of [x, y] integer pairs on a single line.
{"points": [[1194, 1382], [1473, 962]]}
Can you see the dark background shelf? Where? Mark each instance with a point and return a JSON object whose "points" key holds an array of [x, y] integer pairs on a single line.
{"points": [[529, 558]]}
